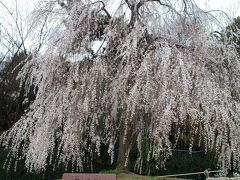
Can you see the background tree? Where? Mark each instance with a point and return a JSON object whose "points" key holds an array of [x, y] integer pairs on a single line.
{"points": [[14, 37], [232, 33], [13, 101], [16, 30], [13, 32], [160, 77]]}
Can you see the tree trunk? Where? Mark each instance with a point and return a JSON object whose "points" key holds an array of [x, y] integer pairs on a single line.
{"points": [[125, 143]]}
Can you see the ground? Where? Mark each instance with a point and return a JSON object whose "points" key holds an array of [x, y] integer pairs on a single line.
{"points": [[124, 176]]}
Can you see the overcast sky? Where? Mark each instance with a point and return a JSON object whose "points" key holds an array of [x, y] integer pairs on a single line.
{"points": [[210, 4], [231, 7]]}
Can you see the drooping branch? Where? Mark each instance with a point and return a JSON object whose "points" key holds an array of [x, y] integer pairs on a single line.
{"points": [[135, 9], [218, 35], [63, 5], [104, 8]]}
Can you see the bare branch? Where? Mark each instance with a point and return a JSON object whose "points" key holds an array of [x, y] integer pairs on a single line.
{"points": [[104, 9], [17, 25]]}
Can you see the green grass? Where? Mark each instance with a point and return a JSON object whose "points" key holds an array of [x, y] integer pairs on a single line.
{"points": [[115, 171]]}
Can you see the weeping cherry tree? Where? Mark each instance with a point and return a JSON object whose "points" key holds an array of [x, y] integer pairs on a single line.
{"points": [[116, 74]]}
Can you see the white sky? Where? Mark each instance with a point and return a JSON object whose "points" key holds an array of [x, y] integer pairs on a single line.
{"points": [[231, 7]]}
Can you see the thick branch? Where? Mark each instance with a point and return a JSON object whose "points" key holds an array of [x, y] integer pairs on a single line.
{"points": [[135, 9], [104, 9]]}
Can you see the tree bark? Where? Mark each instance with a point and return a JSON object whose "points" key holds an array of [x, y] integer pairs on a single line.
{"points": [[125, 145], [123, 153]]}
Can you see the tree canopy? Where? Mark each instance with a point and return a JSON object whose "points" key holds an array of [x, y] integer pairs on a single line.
{"points": [[158, 71]]}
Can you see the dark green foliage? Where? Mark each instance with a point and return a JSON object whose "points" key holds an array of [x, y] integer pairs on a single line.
{"points": [[233, 33], [12, 97], [22, 174], [180, 162], [183, 162]]}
